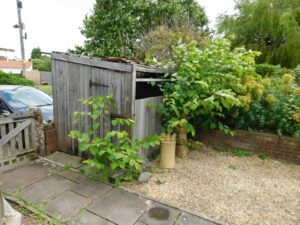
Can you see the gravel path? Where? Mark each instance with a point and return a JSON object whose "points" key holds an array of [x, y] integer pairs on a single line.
{"points": [[235, 190]]}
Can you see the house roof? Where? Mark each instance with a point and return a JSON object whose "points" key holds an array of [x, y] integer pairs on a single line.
{"points": [[14, 64]]}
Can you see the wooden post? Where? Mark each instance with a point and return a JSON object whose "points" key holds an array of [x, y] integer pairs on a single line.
{"points": [[1, 206], [39, 131]]}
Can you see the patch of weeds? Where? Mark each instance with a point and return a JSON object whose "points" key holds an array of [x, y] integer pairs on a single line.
{"points": [[194, 144], [242, 153], [221, 149], [262, 156], [154, 169], [231, 166], [68, 166]]}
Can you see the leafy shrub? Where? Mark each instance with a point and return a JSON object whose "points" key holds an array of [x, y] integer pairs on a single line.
{"points": [[277, 110], [268, 70], [115, 152], [208, 84], [11, 79], [159, 42]]}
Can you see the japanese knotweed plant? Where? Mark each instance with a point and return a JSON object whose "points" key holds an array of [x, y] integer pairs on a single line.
{"points": [[116, 153]]}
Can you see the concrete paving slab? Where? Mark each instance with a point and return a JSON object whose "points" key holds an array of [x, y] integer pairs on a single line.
{"points": [[46, 189], [66, 205], [88, 218], [139, 223], [160, 214], [91, 189], [22, 176], [188, 219], [120, 207], [65, 159], [74, 176]]}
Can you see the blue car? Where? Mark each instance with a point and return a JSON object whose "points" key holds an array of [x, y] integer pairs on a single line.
{"points": [[14, 98]]}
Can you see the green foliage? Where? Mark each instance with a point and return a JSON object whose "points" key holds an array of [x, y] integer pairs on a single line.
{"points": [[115, 153], [113, 26], [36, 53], [277, 110], [42, 64], [268, 70], [11, 79], [206, 86], [269, 26], [242, 153], [159, 42]]}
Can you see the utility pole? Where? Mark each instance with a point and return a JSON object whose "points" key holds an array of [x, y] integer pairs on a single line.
{"points": [[21, 27]]}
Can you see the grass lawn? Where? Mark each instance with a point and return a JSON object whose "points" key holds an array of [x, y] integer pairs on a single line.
{"points": [[45, 88]]}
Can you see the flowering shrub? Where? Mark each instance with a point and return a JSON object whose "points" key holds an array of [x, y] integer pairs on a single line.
{"points": [[277, 110]]}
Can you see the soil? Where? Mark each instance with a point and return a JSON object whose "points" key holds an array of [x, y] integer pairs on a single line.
{"points": [[236, 190]]}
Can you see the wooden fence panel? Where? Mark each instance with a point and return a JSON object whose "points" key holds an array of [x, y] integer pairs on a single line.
{"points": [[19, 135]]}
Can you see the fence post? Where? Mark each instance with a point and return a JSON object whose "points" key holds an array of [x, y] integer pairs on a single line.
{"points": [[39, 131], [1, 206]]}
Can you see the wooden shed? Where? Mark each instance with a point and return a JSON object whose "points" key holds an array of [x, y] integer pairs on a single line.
{"points": [[76, 77]]}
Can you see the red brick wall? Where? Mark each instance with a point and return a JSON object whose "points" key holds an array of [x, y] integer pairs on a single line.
{"points": [[285, 148], [50, 141]]}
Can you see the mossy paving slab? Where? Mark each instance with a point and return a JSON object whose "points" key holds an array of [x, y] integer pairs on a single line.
{"points": [[46, 189], [66, 205], [88, 218], [160, 214], [120, 207], [65, 159], [74, 176], [22, 176], [188, 219], [91, 189]]}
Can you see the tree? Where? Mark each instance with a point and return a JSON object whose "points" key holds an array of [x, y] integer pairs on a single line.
{"points": [[269, 26], [114, 25], [159, 42], [41, 63], [36, 53]]}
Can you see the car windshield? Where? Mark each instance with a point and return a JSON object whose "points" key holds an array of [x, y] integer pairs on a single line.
{"points": [[21, 98]]}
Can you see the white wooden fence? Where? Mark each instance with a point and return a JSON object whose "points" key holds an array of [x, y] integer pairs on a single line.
{"points": [[21, 136]]}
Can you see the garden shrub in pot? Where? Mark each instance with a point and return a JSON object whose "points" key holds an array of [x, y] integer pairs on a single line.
{"points": [[116, 152]]}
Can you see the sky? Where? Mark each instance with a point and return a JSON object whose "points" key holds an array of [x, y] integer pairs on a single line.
{"points": [[53, 25]]}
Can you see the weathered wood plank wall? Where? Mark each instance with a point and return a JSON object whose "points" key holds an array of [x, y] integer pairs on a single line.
{"points": [[75, 78], [147, 121]]}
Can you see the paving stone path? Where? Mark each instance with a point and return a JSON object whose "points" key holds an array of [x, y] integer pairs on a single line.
{"points": [[76, 199]]}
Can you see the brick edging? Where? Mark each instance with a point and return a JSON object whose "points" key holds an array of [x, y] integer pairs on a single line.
{"points": [[280, 147]]}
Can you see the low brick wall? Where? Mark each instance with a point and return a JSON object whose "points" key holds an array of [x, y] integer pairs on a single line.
{"points": [[280, 147], [50, 141]]}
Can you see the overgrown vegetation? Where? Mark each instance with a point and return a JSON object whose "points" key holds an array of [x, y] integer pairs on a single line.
{"points": [[269, 26], [12, 79], [277, 110], [40, 62], [207, 85], [241, 152], [115, 153], [114, 26]]}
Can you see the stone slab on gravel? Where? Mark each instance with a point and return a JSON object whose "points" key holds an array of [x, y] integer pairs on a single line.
{"points": [[91, 189], [66, 205], [65, 159], [46, 189], [163, 215], [120, 207], [188, 219], [144, 177], [88, 218], [22, 176]]}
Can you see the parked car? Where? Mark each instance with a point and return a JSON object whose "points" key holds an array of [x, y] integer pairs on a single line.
{"points": [[14, 98]]}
